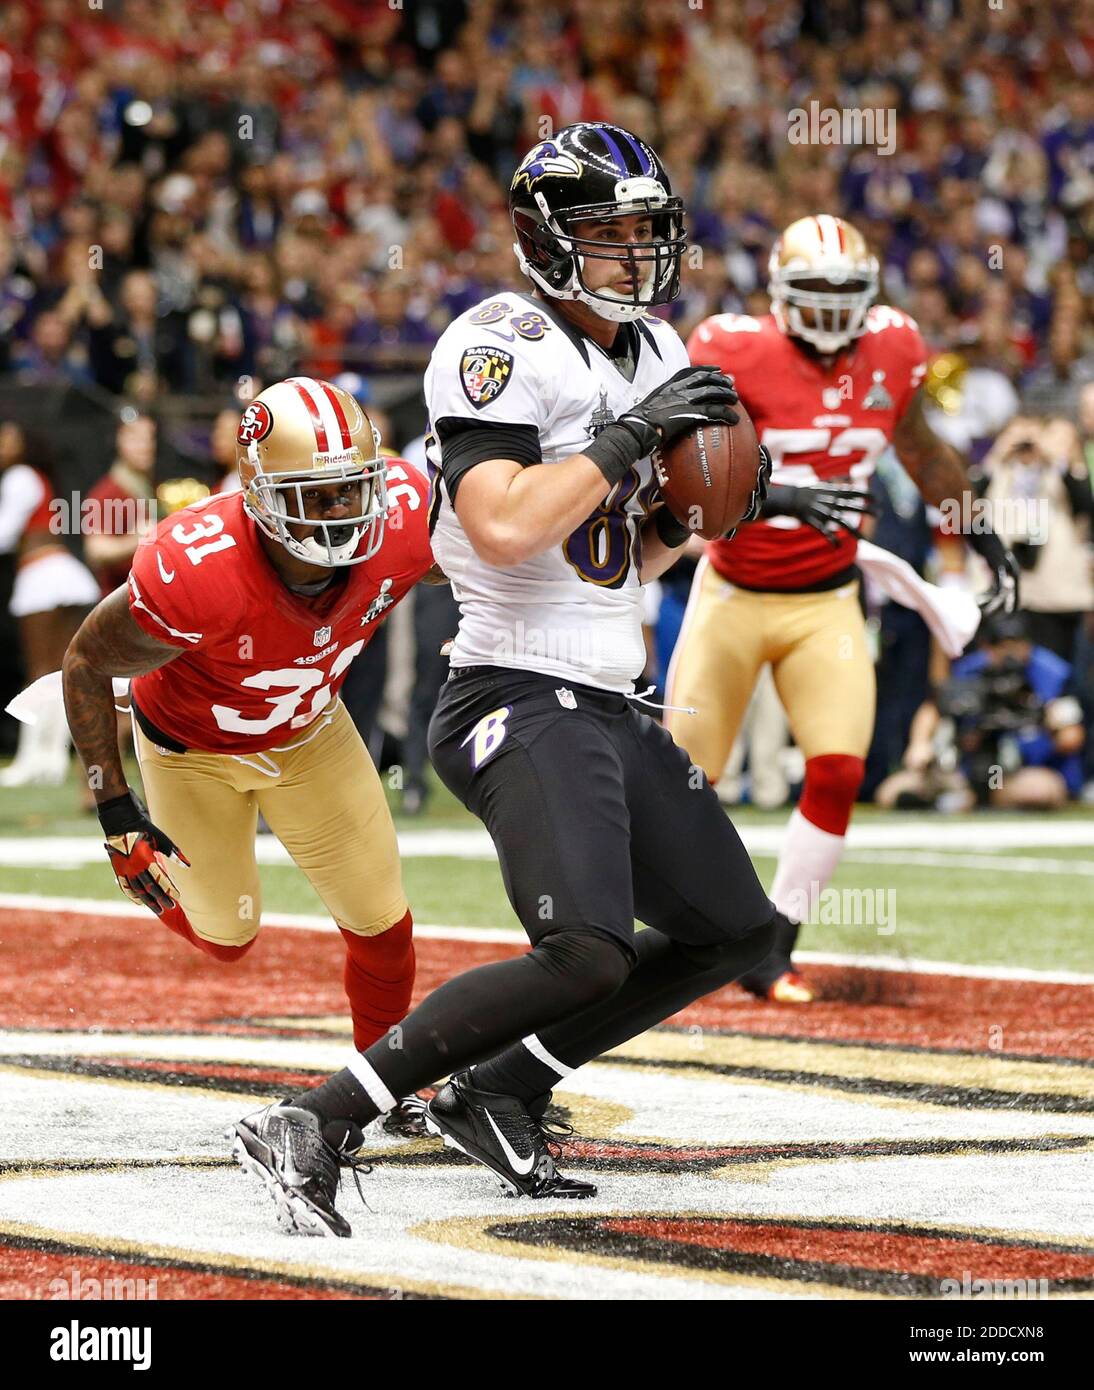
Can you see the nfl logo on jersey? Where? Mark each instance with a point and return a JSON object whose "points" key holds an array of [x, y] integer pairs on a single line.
{"points": [[322, 636]]}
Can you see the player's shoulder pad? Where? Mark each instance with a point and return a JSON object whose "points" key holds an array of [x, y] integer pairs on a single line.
{"points": [[407, 525], [895, 326], [666, 340], [896, 336], [178, 573], [499, 361], [726, 338]]}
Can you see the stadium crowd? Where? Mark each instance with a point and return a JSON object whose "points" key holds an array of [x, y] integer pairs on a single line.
{"points": [[198, 197]]}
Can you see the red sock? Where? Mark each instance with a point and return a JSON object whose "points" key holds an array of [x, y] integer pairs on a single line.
{"points": [[379, 979], [832, 781], [177, 921]]}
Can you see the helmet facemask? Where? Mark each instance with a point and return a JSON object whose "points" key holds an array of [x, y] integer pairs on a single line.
{"points": [[276, 501], [824, 310]]}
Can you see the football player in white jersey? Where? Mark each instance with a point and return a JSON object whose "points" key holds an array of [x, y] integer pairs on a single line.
{"points": [[545, 408]]}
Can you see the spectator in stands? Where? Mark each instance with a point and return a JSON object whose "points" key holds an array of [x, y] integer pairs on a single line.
{"points": [[976, 398], [1037, 484], [122, 503], [222, 448], [1053, 389], [52, 354], [134, 338], [392, 337], [52, 594]]}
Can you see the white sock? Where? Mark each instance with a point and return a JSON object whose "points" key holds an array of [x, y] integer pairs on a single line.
{"points": [[807, 860]]}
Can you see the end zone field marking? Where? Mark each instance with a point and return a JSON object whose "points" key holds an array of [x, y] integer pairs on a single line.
{"points": [[104, 907]]}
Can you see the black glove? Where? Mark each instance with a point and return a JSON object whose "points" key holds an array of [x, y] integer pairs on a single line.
{"points": [[759, 492], [1003, 594], [135, 847], [827, 509], [694, 396]]}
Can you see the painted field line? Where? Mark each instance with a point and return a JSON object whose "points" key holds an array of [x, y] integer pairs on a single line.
{"points": [[101, 907], [936, 833], [913, 965], [65, 856], [302, 921], [996, 863]]}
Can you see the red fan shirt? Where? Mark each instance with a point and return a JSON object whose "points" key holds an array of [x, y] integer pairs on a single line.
{"points": [[259, 663], [821, 424]]}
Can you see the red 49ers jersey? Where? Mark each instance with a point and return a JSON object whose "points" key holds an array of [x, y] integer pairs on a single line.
{"points": [[259, 663], [820, 424]]}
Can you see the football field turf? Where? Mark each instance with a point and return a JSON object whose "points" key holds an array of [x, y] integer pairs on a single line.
{"points": [[962, 889], [915, 1127]]}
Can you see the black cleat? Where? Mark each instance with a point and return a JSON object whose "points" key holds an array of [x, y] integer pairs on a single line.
{"points": [[499, 1132], [407, 1120], [284, 1147]]}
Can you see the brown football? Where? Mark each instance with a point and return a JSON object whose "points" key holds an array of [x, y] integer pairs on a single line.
{"points": [[708, 476]]}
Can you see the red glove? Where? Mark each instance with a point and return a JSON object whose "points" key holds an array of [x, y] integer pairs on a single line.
{"points": [[138, 852]]}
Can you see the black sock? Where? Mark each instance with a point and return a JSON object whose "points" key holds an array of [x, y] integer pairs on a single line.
{"points": [[340, 1097], [777, 962], [472, 1017], [669, 976]]}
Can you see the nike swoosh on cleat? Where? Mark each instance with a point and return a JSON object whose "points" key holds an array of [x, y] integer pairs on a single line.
{"points": [[523, 1166]]}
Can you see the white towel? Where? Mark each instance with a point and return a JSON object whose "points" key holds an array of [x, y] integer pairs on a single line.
{"points": [[45, 693], [953, 615]]}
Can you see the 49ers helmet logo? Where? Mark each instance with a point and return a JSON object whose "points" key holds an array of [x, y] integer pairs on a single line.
{"points": [[256, 424]]}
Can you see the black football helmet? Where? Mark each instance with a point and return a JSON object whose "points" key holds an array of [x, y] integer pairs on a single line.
{"points": [[589, 172]]}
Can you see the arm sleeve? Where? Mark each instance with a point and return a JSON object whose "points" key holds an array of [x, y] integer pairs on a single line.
{"points": [[464, 443]]}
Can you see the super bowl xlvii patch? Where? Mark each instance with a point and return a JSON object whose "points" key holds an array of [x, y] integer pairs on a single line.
{"points": [[878, 398], [484, 373]]}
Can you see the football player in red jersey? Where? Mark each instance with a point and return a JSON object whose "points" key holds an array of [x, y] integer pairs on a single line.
{"points": [[239, 621], [829, 382]]}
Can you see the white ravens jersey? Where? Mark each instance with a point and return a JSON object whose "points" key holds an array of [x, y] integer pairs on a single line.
{"points": [[574, 611]]}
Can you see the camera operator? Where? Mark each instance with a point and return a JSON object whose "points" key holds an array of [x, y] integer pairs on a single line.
{"points": [[1038, 486], [1000, 732]]}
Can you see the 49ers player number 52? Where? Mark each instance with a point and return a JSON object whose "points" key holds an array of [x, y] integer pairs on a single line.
{"points": [[830, 380], [237, 627]]}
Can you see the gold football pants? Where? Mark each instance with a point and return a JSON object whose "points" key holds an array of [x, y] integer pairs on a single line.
{"points": [[321, 797], [816, 646]]}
